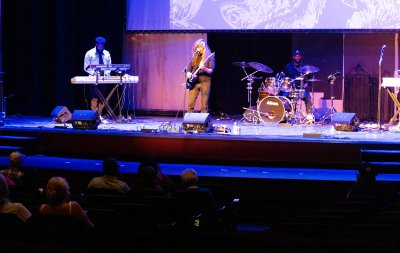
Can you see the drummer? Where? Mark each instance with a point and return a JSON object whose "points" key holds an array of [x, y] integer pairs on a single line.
{"points": [[291, 70]]}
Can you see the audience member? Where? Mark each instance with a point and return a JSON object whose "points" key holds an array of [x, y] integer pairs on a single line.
{"points": [[146, 178], [111, 178], [166, 184], [57, 194], [6, 206], [368, 186], [13, 173], [190, 180]]}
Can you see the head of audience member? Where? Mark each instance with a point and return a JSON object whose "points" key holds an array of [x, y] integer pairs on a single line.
{"points": [[189, 178], [4, 192], [147, 176], [150, 161], [15, 160], [366, 175], [57, 191], [110, 167]]}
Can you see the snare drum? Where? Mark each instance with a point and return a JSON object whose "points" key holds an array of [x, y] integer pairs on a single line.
{"points": [[297, 93], [275, 109], [286, 84]]}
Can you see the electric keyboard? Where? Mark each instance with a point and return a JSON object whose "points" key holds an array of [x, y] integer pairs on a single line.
{"points": [[126, 79], [111, 67], [391, 82]]}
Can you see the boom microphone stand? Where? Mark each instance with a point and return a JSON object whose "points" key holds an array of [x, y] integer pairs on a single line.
{"points": [[378, 116]]}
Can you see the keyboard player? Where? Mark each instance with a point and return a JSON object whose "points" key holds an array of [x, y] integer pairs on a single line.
{"points": [[95, 56]]}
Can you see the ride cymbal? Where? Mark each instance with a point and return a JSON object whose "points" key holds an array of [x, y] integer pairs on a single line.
{"points": [[260, 67], [308, 69]]}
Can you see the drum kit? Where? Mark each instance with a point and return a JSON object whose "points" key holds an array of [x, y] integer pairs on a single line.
{"points": [[271, 106]]}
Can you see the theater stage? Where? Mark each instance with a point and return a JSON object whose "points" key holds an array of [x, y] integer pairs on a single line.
{"points": [[263, 144]]}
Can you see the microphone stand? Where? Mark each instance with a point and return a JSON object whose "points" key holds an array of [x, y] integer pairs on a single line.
{"points": [[378, 116]]}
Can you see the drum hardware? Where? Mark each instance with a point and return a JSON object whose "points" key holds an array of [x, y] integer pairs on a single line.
{"points": [[314, 110], [331, 111], [250, 78], [250, 115]]}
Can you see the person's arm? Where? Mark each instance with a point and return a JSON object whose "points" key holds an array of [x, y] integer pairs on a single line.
{"points": [[22, 212], [86, 64], [107, 60], [78, 212]]}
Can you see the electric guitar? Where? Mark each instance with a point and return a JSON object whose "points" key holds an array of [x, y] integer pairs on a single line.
{"points": [[190, 82]]}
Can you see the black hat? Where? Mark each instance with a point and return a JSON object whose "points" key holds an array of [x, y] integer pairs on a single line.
{"points": [[101, 40], [295, 52]]}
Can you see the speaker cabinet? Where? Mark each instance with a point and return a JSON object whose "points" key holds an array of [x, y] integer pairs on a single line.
{"points": [[197, 122], [345, 121], [85, 119], [61, 114]]}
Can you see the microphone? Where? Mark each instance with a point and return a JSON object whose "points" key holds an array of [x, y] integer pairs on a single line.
{"points": [[197, 51], [333, 76], [382, 51]]}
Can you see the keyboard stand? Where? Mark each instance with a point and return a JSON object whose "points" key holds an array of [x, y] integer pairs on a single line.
{"points": [[395, 83], [105, 100]]}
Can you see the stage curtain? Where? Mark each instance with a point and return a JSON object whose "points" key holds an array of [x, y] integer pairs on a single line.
{"points": [[361, 96], [158, 60]]}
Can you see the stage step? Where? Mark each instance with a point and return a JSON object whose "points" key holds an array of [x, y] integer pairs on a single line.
{"points": [[384, 161], [25, 144]]}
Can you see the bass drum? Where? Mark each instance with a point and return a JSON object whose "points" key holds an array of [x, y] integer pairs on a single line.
{"points": [[275, 109]]}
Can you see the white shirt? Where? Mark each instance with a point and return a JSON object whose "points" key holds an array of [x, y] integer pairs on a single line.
{"points": [[92, 58]]}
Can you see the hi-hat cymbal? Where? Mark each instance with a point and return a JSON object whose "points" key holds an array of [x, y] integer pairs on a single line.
{"points": [[242, 64], [308, 69], [260, 67]]}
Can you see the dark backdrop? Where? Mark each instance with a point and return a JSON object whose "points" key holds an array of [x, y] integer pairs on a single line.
{"points": [[44, 43], [228, 92]]}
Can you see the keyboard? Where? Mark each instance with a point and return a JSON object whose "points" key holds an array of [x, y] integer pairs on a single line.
{"points": [[390, 82], [126, 79]]}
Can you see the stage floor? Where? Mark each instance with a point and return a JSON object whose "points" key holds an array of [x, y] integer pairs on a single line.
{"points": [[262, 131], [262, 144]]}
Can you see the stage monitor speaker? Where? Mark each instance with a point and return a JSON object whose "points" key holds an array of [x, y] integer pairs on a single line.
{"points": [[85, 119], [345, 121], [61, 114], [197, 122]]}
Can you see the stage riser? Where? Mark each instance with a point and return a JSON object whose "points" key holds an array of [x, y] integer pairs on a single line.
{"points": [[202, 149]]}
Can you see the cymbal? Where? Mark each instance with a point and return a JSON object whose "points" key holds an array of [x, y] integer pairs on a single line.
{"points": [[241, 64], [260, 67], [313, 80], [308, 69]]}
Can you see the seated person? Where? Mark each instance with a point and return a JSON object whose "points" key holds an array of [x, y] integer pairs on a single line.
{"points": [[6, 206], [110, 179], [57, 194], [200, 199], [166, 184], [145, 183], [13, 173]]}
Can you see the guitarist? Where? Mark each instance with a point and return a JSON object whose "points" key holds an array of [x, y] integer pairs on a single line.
{"points": [[199, 75]]}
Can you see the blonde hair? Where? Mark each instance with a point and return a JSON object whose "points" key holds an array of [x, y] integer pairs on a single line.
{"points": [[57, 190], [189, 178]]}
